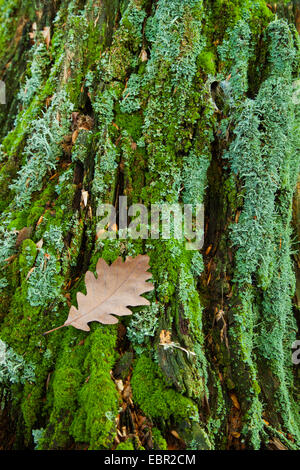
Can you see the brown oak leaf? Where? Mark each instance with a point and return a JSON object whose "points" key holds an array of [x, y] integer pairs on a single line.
{"points": [[116, 287]]}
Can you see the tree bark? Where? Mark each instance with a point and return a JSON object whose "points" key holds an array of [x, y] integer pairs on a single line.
{"points": [[161, 101]]}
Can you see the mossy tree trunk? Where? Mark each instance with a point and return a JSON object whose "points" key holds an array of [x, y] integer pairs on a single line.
{"points": [[170, 101]]}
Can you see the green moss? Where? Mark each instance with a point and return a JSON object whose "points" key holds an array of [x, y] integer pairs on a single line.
{"points": [[159, 443], [31, 408], [125, 446], [207, 62], [94, 421], [156, 400], [132, 122], [27, 257]]}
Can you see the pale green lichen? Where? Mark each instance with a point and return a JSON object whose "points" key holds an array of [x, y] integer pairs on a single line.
{"points": [[13, 368], [43, 148]]}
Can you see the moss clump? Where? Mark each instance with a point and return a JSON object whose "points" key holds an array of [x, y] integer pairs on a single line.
{"points": [[156, 400], [94, 421], [159, 443], [125, 446]]}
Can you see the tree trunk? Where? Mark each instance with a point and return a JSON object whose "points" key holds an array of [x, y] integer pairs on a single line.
{"points": [[174, 101]]}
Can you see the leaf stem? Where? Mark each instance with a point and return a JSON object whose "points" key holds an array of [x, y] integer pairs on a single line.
{"points": [[54, 329]]}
